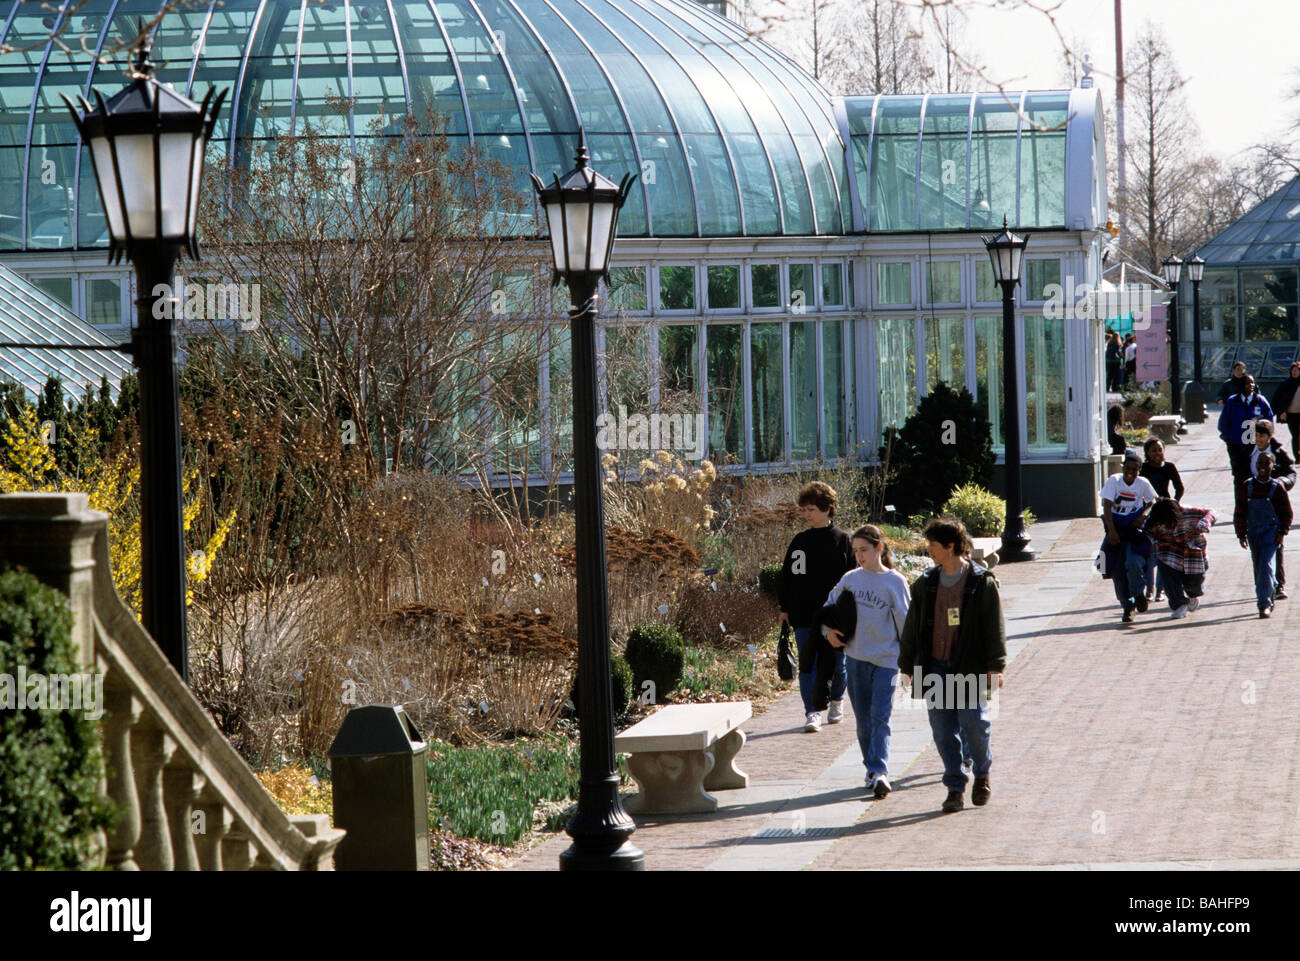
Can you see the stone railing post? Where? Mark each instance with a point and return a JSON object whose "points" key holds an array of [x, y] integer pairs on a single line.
{"points": [[53, 537]]}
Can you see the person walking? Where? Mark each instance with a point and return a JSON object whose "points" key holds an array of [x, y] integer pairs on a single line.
{"points": [[1284, 473], [1125, 499], [872, 652], [1114, 361], [1286, 406], [1130, 360], [1113, 437], [814, 562], [1234, 383], [1161, 473], [1261, 520], [1237, 426], [954, 641], [1180, 552]]}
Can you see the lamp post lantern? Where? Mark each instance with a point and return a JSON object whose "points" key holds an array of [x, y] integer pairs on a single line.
{"points": [[146, 144], [582, 210], [1194, 395], [1173, 270], [1007, 251]]}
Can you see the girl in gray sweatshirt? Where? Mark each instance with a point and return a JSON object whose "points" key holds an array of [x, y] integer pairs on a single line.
{"points": [[882, 597]]}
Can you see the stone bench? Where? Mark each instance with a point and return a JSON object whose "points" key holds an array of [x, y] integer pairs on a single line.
{"points": [[682, 752], [1165, 427]]}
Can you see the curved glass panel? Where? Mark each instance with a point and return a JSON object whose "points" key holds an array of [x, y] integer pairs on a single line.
{"points": [[771, 125], [18, 75], [715, 184], [858, 110], [268, 81], [376, 71], [546, 102], [1042, 160], [430, 73], [602, 117], [758, 191], [943, 163], [893, 164], [993, 160], [778, 117]]}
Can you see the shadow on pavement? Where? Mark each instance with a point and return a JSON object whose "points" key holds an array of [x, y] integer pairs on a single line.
{"points": [[882, 824]]}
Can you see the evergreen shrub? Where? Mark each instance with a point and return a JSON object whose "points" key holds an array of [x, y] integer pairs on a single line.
{"points": [[656, 653], [51, 763]]}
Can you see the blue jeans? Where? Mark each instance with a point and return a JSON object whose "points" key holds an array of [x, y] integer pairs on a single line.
{"points": [[1131, 577], [1263, 547], [1178, 587], [809, 680], [871, 692], [958, 731]]}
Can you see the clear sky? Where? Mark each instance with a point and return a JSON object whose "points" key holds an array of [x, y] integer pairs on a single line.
{"points": [[1241, 56]]}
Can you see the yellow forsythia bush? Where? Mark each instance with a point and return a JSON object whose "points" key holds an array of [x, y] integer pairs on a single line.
{"points": [[27, 464]]}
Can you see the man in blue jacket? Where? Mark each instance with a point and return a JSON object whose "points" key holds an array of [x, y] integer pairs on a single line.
{"points": [[1237, 427]]}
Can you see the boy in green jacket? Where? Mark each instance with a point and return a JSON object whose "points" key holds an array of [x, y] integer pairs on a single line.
{"points": [[955, 642]]}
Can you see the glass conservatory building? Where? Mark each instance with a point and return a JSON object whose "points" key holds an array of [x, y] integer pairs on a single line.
{"points": [[804, 267], [1248, 295]]}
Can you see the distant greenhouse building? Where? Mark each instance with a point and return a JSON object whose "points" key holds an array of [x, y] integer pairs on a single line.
{"points": [[805, 266], [1248, 295]]}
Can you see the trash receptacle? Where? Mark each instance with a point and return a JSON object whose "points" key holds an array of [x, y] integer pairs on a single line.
{"points": [[378, 768]]}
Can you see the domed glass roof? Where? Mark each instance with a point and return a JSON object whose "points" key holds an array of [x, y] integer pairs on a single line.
{"points": [[730, 137]]}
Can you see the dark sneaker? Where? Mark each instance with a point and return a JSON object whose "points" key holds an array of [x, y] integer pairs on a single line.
{"points": [[1265, 612], [953, 802], [1128, 615], [1279, 594], [979, 795], [882, 786], [1141, 602]]}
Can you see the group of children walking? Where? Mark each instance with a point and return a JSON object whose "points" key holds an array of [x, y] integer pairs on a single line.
{"points": [[861, 629], [1152, 539]]}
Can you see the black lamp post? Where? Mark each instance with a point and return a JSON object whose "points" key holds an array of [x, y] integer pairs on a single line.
{"points": [[1173, 270], [1194, 395], [1007, 252], [582, 210], [146, 144]]}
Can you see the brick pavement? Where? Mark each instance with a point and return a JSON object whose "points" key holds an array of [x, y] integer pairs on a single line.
{"points": [[1162, 743]]}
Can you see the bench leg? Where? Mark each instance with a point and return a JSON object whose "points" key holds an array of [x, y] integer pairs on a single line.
{"points": [[671, 782], [725, 775]]}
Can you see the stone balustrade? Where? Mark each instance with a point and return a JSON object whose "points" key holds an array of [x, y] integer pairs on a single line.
{"points": [[187, 800]]}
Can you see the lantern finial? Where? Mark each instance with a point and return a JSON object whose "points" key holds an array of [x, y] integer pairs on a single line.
{"points": [[143, 67]]}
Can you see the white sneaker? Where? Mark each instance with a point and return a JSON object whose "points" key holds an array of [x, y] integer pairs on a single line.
{"points": [[1178, 612], [882, 786], [836, 713], [812, 723], [1193, 603]]}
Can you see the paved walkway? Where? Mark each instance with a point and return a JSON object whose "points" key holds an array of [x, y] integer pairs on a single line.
{"points": [[1162, 744]]}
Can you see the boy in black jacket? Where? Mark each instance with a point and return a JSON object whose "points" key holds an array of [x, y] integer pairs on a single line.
{"points": [[955, 640], [814, 563]]}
